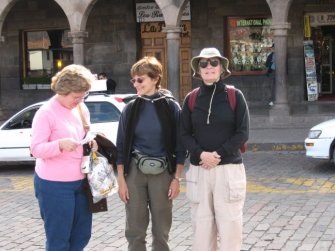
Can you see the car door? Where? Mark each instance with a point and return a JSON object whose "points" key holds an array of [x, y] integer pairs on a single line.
{"points": [[15, 136]]}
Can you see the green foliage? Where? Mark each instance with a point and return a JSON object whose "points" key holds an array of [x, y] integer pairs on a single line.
{"points": [[37, 80]]}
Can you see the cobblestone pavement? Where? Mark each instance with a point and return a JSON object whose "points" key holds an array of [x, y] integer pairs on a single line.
{"points": [[290, 206]]}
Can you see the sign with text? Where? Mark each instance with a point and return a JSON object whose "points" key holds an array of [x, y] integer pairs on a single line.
{"points": [[311, 80], [150, 12], [320, 19], [250, 22]]}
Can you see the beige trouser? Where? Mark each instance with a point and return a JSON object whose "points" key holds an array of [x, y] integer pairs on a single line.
{"points": [[217, 197]]}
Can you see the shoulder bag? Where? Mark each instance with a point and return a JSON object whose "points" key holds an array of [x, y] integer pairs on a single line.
{"points": [[100, 206]]}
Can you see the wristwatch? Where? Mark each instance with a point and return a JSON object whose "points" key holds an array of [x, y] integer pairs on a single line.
{"points": [[177, 178]]}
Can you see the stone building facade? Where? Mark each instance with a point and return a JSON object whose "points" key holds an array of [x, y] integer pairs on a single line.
{"points": [[110, 35]]}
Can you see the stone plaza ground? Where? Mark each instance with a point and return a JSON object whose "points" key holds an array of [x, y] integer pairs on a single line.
{"points": [[290, 206]]}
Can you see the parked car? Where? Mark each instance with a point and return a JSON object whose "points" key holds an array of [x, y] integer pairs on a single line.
{"points": [[320, 142], [15, 133]]}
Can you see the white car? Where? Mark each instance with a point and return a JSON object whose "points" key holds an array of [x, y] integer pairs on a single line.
{"points": [[15, 133], [320, 142]]}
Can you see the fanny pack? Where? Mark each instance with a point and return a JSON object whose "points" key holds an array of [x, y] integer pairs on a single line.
{"points": [[150, 165]]}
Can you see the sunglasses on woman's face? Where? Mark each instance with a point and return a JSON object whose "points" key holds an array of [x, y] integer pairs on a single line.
{"points": [[138, 80], [213, 62]]}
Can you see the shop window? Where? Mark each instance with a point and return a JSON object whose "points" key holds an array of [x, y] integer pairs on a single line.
{"points": [[44, 53], [250, 40]]}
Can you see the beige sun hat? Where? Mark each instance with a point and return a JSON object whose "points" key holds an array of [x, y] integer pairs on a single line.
{"points": [[210, 53]]}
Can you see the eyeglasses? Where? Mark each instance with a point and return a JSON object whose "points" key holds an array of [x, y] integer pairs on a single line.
{"points": [[213, 62], [138, 80], [78, 99]]}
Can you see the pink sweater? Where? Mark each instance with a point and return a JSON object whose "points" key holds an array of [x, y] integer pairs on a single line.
{"points": [[51, 123]]}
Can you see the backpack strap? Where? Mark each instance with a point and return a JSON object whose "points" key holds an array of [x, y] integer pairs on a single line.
{"points": [[231, 96], [232, 101], [192, 97]]}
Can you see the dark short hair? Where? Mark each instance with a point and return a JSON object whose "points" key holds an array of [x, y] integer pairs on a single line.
{"points": [[150, 66], [102, 74]]}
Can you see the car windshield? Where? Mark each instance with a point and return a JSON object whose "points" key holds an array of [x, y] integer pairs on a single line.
{"points": [[23, 120]]}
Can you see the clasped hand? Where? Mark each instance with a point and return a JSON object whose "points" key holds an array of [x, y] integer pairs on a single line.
{"points": [[209, 159]]}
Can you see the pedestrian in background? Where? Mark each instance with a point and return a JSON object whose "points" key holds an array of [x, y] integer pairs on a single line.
{"points": [[271, 74], [57, 130], [213, 133], [149, 133], [110, 83]]}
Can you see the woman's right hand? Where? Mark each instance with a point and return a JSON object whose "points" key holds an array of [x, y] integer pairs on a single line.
{"points": [[209, 159], [68, 144], [123, 189]]}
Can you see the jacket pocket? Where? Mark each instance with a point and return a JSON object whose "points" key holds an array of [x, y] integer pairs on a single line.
{"points": [[192, 181]]}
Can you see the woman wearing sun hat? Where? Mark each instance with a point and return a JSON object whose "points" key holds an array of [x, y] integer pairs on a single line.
{"points": [[213, 132]]}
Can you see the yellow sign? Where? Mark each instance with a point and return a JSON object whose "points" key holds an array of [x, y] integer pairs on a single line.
{"points": [[307, 27]]}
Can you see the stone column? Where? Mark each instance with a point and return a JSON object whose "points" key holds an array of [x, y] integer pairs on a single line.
{"points": [[281, 106], [2, 117], [78, 38], [173, 59]]}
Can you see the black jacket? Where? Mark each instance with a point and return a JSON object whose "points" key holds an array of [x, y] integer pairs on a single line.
{"points": [[214, 126], [269, 62], [168, 112]]}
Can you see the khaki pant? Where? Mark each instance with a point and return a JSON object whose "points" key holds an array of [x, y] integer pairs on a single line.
{"points": [[148, 194], [217, 198]]}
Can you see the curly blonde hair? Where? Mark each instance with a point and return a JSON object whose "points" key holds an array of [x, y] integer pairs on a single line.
{"points": [[72, 78], [150, 66]]}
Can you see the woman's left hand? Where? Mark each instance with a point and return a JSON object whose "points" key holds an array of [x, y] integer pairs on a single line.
{"points": [[174, 189]]}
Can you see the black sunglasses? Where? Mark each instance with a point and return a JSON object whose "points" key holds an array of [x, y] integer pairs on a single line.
{"points": [[138, 80], [213, 61]]}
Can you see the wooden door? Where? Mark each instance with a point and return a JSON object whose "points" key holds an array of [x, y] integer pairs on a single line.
{"points": [[327, 65], [185, 59], [156, 46], [185, 72]]}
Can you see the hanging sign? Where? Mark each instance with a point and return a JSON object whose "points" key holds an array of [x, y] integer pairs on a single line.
{"points": [[307, 27], [311, 80], [322, 18], [150, 12]]}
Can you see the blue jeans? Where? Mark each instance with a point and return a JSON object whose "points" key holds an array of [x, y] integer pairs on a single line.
{"points": [[64, 210], [272, 80]]}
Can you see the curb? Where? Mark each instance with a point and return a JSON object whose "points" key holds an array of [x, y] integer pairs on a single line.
{"points": [[256, 147]]}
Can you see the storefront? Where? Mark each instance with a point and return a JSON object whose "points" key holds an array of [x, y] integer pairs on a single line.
{"points": [[323, 37], [109, 36], [250, 39]]}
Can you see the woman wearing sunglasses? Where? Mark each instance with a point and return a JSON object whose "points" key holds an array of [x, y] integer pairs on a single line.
{"points": [[150, 157], [212, 131]]}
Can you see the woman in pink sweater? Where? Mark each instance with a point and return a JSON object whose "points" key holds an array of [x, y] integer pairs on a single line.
{"points": [[56, 134]]}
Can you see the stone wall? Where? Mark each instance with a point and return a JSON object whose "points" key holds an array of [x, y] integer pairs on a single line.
{"points": [[113, 43], [210, 30], [25, 15], [111, 46]]}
